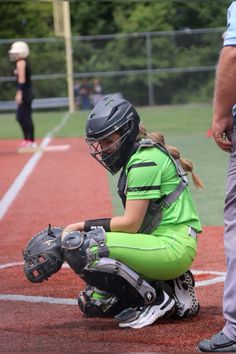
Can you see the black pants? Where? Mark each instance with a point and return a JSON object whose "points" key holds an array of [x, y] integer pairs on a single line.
{"points": [[24, 118]]}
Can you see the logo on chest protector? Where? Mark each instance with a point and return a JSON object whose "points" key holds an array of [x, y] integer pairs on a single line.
{"points": [[148, 296]]}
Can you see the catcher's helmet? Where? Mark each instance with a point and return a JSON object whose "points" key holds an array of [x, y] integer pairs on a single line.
{"points": [[43, 255], [19, 50], [112, 114]]}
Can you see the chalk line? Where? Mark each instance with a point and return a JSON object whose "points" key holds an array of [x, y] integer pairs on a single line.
{"points": [[219, 277]]}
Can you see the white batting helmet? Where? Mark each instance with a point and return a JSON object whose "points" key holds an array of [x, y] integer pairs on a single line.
{"points": [[19, 49]]}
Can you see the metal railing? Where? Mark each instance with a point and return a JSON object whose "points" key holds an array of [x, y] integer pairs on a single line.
{"points": [[154, 59]]}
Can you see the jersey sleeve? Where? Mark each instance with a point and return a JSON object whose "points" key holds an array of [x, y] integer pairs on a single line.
{"points": [[230, 34], [143, 180]]}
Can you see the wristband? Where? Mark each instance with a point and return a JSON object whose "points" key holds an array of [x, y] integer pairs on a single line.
{"points": [[20, 86], [93, 224]]}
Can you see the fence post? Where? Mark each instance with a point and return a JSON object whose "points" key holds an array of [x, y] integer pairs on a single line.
{"points": [[149, 69], [69, 60]]}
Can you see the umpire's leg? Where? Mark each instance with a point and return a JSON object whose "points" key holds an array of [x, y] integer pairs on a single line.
{"points": [[229, 302]]}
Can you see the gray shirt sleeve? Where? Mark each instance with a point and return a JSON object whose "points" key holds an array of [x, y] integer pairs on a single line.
{"points": [[230, 34]]}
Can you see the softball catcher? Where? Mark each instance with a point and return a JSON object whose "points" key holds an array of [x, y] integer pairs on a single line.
{"points": [[136, 265]]}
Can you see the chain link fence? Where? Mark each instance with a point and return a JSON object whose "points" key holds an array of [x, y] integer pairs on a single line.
{"points": [[149, 68]]}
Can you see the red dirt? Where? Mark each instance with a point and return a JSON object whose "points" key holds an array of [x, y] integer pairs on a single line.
{"points": [[65, 187]]}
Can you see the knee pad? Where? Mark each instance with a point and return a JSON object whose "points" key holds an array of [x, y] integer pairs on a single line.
{"points": [[79, 250], [97, 303]]}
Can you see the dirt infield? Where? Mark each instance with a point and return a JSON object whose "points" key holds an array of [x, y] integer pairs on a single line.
{"points": [[64, 187]]}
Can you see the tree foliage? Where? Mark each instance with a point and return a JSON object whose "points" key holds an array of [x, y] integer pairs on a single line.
{"points": [[102, 17], [25, 19], [34, 19], [31, 18]]}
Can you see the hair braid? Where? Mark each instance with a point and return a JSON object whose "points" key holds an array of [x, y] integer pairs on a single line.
{"points": [[187, 165]]}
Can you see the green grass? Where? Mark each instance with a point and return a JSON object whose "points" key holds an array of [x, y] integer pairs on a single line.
{"points": [[180, 119], [177, 119], [44, 122], [184, 126]]}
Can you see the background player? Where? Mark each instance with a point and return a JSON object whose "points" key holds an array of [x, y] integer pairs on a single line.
{"points": [[19, 53]]}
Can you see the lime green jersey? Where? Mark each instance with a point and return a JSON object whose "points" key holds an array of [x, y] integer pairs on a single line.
{"points": [[151, 174]]}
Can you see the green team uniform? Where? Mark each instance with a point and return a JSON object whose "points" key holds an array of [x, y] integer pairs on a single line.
{"points": [[169, 250]]}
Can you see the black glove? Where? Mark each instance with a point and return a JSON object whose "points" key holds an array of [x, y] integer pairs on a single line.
{"points": [[43, 255]]}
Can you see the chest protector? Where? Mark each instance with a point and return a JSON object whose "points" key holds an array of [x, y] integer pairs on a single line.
{"points": [[155, 209]]}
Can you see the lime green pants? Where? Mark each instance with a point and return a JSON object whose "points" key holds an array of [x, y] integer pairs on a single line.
{"points": [[163, 256]]}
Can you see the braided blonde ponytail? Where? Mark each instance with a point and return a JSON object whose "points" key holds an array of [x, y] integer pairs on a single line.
{"points": [[187, 165]]}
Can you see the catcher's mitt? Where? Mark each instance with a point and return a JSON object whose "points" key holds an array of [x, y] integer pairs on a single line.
{"points": [[43, 255]]}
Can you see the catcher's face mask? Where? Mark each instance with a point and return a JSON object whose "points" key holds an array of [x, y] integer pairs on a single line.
{"points": [[43, 255], [112, 115], [107, 150]]}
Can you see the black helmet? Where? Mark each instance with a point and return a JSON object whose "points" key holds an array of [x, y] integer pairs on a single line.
{"points": [[112, 114]]}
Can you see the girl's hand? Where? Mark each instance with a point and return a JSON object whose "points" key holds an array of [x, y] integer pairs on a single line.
{"points": [[79, 226]]}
